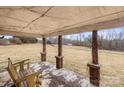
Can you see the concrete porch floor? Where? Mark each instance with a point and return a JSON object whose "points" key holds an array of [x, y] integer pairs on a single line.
{"points": [[51, 77]]}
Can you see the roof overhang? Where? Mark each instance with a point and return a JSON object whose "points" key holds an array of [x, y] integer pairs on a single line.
{"points": [[39, 21]]}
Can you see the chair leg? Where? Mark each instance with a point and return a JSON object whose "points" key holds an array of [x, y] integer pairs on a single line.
{"points": [[38, 82]]}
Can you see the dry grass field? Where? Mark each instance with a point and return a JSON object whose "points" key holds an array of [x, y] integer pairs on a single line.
{"points": [[75, 58]]}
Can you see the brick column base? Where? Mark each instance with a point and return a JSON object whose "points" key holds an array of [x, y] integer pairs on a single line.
{"points": [[59, 62], [94, 71], [43, 56]]}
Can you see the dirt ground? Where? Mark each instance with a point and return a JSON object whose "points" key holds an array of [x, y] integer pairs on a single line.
{"points": [[75, 58]]}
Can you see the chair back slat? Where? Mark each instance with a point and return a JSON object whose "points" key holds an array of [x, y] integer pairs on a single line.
{"points": [[12, 70]]}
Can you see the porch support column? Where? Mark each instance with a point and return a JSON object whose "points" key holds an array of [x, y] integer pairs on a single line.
{"points": [[94, 68], [59, 58], [43, 53]]}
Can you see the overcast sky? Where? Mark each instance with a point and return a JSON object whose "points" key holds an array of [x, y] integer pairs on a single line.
{"points": [[105, 32]]}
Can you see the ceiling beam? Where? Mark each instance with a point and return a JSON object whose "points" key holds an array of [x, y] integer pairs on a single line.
{"points": [[119, 22], [15, 33], [42, 15]]}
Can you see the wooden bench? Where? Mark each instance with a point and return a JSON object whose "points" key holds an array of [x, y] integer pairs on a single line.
{"points": [[23, 77]]}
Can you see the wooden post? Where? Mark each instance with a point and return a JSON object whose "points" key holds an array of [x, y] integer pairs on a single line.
{"points": [[59, 58], [43, 54], [94, 68], [94, 47]]}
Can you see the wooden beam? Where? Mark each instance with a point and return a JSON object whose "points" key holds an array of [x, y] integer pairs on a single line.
{"points": [[94, 68], [17, 33], [94, 47], [43, 54], [59, 58], [87, 28], [44, 44], [59, 45]]}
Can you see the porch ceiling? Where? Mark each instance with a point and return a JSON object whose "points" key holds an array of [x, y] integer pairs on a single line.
{"points": [[41, 21]]}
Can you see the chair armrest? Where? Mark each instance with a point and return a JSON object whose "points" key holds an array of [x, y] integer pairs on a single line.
{"points": [[21, 62]]}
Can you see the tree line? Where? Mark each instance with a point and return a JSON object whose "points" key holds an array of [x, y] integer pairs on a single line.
{"points": [[109, 41], [17, 40]]}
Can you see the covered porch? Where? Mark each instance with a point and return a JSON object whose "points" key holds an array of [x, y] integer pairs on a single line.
{"points": [[48, 22]]}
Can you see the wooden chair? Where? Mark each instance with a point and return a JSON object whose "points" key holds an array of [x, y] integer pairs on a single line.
{"points": [[23, 77]]}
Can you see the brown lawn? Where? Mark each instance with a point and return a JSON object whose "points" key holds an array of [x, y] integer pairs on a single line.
{"points": [[75, 58]]}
